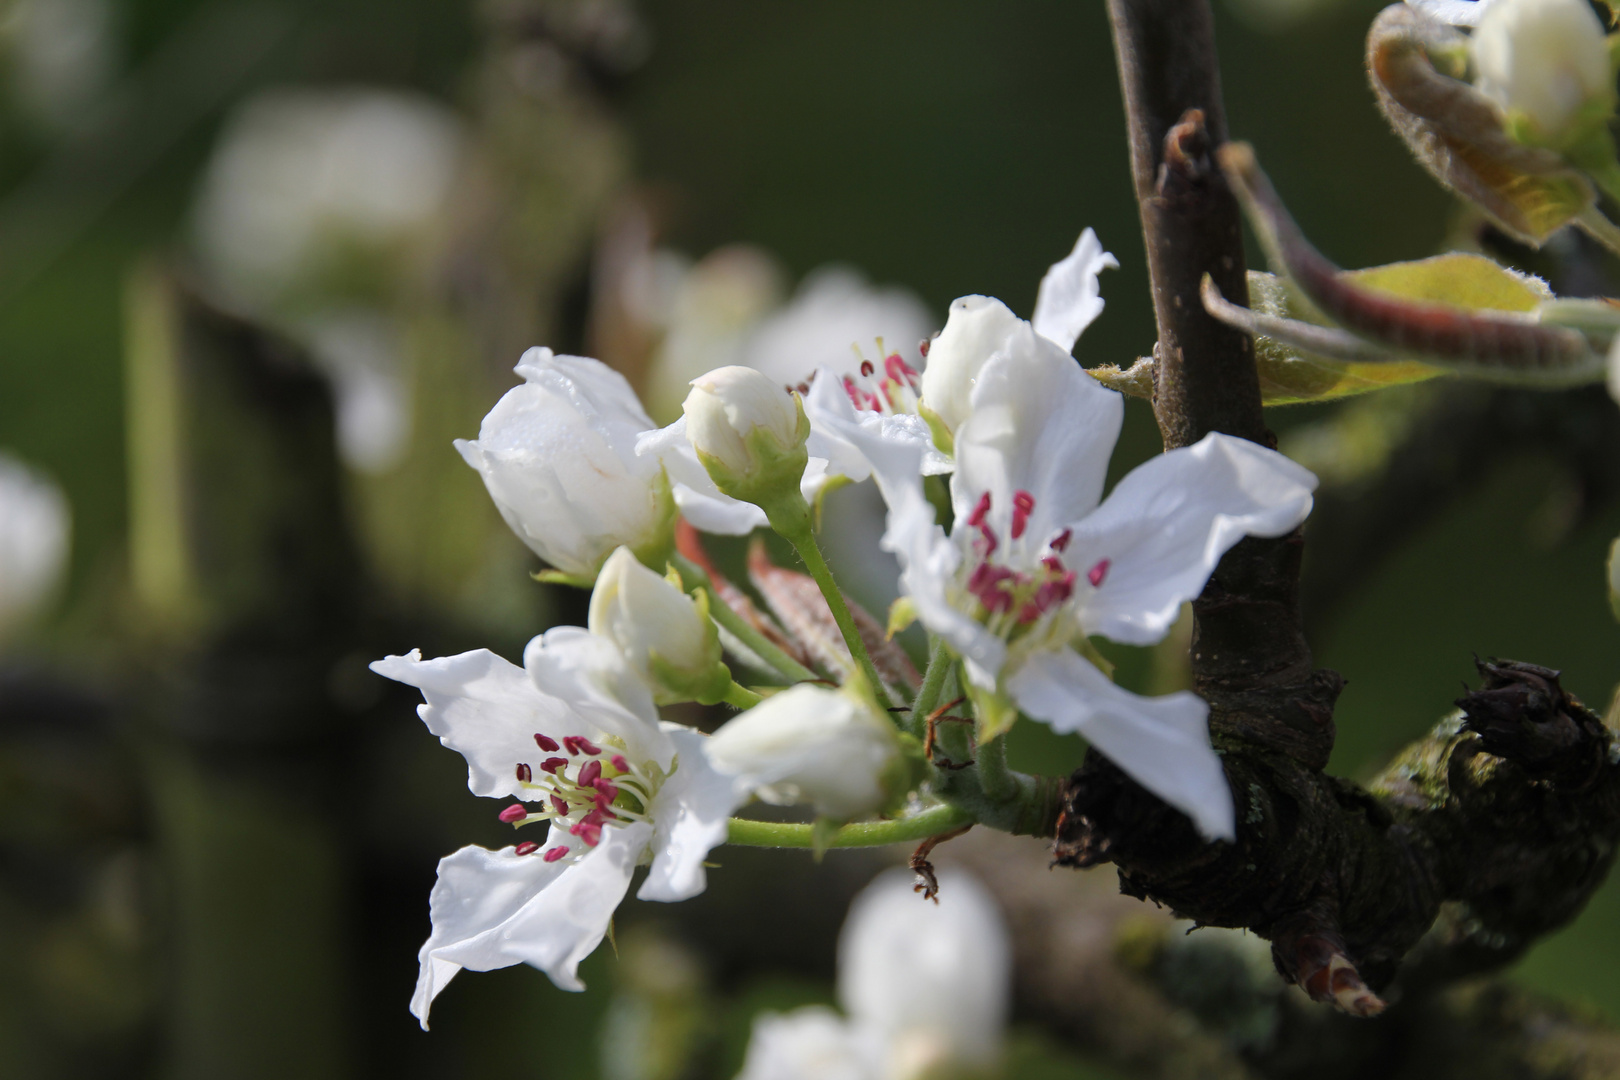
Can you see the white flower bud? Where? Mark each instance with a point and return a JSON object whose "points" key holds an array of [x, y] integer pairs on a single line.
{"points": [[748, 432], [33, 540], [558, 455], [934, 980], [1546, 60], [668, 641], [833, 749]]}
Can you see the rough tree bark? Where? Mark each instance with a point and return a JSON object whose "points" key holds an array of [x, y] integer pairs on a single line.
{"points": [[1507, 815]]}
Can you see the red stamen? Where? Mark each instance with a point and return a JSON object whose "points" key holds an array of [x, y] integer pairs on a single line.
{"points": [[985, 584], [528, 847], [977, 517], [898, 370], [867, 369], [590, 773], [619, 763], [549, 745], [559, 804], [553, 764], [924, 345], [990, 541], [606, 792], [515, 812], [579, 744], [1096, 574], [1061, 541], [555, 853], [524, 774], [1023, 503]]}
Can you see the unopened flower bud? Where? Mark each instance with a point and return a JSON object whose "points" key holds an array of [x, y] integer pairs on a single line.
{"points": [[977, 328], [834, 749], [667, 637], [749, 433], [558, 455], [1546, 63]]}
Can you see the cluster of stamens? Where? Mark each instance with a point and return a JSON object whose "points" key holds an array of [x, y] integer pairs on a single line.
{"points": [[1012, 598], [589, 788], [895, 392]]}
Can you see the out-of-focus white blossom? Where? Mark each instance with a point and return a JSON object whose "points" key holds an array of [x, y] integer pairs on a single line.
{"points": [[836, 319], [1546, 60], [359, 348], [659, 629], [833, 749], [34, 528], [925, 991], [62, 55], [304, 181]]}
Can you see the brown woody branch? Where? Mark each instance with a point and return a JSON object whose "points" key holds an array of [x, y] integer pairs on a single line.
{"points": [[1509, 817]]}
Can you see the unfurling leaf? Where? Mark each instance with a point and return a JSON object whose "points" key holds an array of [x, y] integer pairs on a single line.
{"points": [[1323, 333]]}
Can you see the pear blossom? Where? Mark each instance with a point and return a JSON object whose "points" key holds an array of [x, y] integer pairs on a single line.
{"points": [[559, 455], [664, 636], [925, 990], [1034, 564], [1453, 12], [834, 749], [576, 742], [34, 527], [1544, 59]]}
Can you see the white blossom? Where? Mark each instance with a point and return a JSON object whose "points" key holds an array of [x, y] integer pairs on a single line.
{"points": [[1453, 12], [1544, 59], [1035, 564], [833, 749], [558, 455], [34, 527], [577, 736]]}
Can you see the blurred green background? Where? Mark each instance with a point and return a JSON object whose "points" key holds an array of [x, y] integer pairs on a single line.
{"points": [[950, 147]]}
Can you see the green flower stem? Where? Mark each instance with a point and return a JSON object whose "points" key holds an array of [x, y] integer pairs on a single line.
{"points": [[995, 779], [760, 645], [928, 694], [795, 528], [932, 822], [741, 697]]}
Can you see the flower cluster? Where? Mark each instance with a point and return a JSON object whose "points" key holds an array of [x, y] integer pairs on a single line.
{"points": [[1034, 563]]}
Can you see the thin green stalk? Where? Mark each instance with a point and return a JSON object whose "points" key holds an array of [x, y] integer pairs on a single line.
{"points": [[803, 539], [928, 694], [760, 645], [741, 697], [932, 822]]}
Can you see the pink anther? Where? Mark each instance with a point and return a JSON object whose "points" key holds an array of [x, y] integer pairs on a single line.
{"points": [[619, 763], [590, 773], [976, 518], [579, 744], [898, 370], [546, 743], [528, 847], [1023, 503], [1061, 541], [553, 765], [555, 853], [1096, 574], [524, 773], [867, 369], [513, 813], [559, 804]]}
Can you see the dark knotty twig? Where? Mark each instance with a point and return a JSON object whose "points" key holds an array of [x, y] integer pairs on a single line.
{"points": [[1342, 881]]}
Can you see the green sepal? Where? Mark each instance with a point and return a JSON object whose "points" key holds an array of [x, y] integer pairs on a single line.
{"points": [[659, 548], [902, 613], [675, 684], [832, 483], [822, 833], [563, 577], [944, 440], [993, 711]]}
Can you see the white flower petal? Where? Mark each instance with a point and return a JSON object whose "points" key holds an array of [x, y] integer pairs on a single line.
{"points": [[34, 529], [493, 909], [1038, 424], [699, 501], [1455, 12], [558, 455], [591, 676], [1166, 524], [689, 815], [488, 711], [1162, 743], [830, 410], [928, 559], [1069, 298]]}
